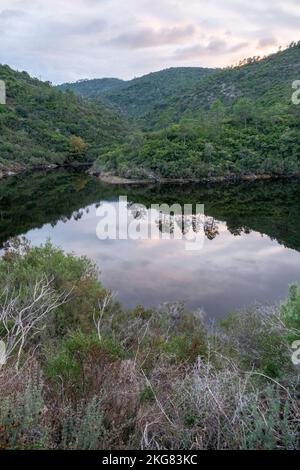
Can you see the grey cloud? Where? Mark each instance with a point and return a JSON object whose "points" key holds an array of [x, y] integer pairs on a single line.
{"points": [[278, 17], [147, 37], [237, 47], [215, 46], [266, 42], [9, 14], [65, 40], [275, 14], [78, 28], [89, 27]]}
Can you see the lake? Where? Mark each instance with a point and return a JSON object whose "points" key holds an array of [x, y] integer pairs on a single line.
{"points": [[251, 250]]}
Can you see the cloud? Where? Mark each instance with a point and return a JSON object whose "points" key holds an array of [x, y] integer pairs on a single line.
{"points": [[10, 14], [215, 46], [267, 42], [279, 17], [64, 40], [148, 37], [83, 28]]}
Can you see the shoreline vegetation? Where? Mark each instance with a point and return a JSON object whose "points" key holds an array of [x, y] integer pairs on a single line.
{"points": [[119, 180], [88, 374]]}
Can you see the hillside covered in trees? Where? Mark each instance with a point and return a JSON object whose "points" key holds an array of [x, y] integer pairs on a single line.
{"points": [[187, 123], [140, 96], [233, 122], [91, 88], [40, 125]]}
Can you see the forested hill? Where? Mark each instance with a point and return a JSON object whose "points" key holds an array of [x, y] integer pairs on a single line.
{"points": [[139, 96], [267, 81], [235, 122], [41, 125], [185, 122], [91, 88]]}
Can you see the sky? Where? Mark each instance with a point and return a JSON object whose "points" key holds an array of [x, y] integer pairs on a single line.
{"points": [[69, 40]]}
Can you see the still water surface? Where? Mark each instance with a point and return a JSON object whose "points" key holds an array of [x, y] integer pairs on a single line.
{"points": [[251, 251]]}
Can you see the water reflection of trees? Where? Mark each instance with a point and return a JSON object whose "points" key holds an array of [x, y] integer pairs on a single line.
{"points": [[211, 228], [169, 223], [270, 208], [137, 211]]}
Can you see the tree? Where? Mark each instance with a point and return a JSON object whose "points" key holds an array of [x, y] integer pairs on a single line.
{"points": [[77, 144], [243, 110], [217, 114]]}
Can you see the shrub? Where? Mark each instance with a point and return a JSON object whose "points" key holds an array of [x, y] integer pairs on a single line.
{"points": [[22, 413], [23, 265], [147, 394], [272, 421], [256, 338], [77, 361], [186, 348], [82, 426], [291, 312]]}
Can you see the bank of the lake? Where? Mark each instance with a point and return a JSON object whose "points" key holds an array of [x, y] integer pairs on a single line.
{"points": [[232, 178]]}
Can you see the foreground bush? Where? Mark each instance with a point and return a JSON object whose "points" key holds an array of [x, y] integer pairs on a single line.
{"points": [[98, 377]]}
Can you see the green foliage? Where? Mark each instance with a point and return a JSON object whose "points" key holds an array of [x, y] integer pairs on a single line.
{"points": [[78, 356], [229, 123], [25, 421], [22, 424], [266, 81], [82, 427], [21, 266], [197, 123], [147, 394], [139, 96], [255, 339], [38, 121], [232, 145], [186, 348], [271, 426], [291, 312], [91, 88]]}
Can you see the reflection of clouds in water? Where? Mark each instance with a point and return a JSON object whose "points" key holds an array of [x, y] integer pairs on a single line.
{"points": [[230, 272], [270, 251]]}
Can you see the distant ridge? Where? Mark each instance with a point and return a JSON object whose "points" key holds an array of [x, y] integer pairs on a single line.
{"points": [[91, 88], [139, 96]]}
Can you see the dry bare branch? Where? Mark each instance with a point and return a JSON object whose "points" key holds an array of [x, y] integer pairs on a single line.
{"points": [[21, 319]]}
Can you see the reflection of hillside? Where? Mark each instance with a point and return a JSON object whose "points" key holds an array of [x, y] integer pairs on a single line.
{"points": [[268, 207], [30, 201], [271, 208]]}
